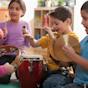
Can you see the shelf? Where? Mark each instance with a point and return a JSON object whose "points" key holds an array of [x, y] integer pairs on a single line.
{"points": [[37, 33], [44, 8], [40, 20], [38, 27]]}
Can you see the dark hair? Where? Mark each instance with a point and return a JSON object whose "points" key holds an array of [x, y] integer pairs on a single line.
{"points": [[61, 13], [85, 6], [21, 3]]}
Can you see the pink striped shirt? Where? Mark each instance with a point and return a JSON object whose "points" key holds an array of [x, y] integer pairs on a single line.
{"points": [[3, 70]]}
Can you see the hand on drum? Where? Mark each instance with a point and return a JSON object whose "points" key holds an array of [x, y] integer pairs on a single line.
{"points": [[68, 50], [10, 69], [16, 62]]}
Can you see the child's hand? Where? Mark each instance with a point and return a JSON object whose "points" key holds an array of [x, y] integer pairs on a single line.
{"points": [[49, 30], [24, 31], [5, 31], [10, 69], [1, 34], [30, 39], [16, 61], [26, 34], [68, 49]]}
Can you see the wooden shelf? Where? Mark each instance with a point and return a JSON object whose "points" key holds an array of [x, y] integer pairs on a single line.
{"points": [[39, 20], [44, 8]]}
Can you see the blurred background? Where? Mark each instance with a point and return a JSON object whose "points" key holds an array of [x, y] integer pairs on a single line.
{"points": [[37, 7]]}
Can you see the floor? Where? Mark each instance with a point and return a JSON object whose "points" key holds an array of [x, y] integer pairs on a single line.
{"points": [[13, 84]]}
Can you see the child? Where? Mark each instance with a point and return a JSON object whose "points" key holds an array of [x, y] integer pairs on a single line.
{"points": [[60, 22], [6, 68], [14, 27], [81, 73]]}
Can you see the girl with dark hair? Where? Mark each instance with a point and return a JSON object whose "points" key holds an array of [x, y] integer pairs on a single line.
{"points": [[13, 30]]}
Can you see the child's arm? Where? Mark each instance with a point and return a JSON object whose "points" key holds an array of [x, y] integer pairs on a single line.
{"points": [[28, 36], [33, 42], [75, 57], [49, 30]]}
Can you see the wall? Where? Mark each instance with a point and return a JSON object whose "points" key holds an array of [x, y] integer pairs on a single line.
{"points": [[78, 27], [28, 17], [30, 5]]}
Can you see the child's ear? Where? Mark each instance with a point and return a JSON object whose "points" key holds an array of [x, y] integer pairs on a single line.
{"points": [[22, 14], [68, 21]]}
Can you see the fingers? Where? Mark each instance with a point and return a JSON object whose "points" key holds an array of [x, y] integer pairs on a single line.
{"points": [[25, 31], [9, 67], [16, 61], [46, 28], [68, 50], [5, 30], [1, 34]]}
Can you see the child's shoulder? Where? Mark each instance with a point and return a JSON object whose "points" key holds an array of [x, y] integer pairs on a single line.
{"points": [[73, 34], [2, 24], [23, 23]]}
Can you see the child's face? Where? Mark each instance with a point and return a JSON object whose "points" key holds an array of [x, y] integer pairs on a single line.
{"points": [[15, 11], [57, 25], [84, 15]]}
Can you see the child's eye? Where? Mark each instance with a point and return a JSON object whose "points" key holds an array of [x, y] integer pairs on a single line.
{"points": [[17, 9], [84, 18], [11, 8]]}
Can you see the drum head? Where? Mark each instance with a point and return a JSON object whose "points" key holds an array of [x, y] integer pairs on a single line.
{"points": [[8, 50], [58, 44], [33, 57]]}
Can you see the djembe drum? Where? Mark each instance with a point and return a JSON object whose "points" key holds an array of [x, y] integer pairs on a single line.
{"points": [[30, 71]]}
